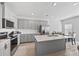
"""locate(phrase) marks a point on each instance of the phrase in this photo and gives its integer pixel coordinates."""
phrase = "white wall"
(75, 25)
(9, 15)
(55, 24)
(61, 11)
(0, 17)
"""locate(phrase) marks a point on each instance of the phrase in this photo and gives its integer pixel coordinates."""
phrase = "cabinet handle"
(5, 46)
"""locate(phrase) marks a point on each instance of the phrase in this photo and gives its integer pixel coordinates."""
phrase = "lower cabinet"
(1, 50)
(5, 47)
(26, 38)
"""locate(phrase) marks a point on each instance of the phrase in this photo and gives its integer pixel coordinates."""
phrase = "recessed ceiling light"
(75, 4)
(54, 4)
(32, 13)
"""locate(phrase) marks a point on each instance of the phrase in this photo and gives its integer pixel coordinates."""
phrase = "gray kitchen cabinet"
(30, 37)
(5, 47)
(26, 24)
(26, 38)
(1, 49)
(30, 24)
(21, 24)
(22, 38)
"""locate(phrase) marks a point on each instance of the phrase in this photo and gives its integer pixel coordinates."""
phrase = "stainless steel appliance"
(13, 38)
(3, 35)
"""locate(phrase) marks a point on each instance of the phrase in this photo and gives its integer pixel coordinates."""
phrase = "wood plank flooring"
(28, 49)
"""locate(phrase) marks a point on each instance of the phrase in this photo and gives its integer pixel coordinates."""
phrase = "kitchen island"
(45, 44)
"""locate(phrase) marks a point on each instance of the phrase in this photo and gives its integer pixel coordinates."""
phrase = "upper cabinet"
(30, 24)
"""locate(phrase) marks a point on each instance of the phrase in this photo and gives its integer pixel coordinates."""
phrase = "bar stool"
(66, 38)
(73, 38)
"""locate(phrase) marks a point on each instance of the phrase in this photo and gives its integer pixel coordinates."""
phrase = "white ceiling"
(44, 9)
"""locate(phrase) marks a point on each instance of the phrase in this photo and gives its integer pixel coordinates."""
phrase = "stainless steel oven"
(13, 45)
(3, 35)
(13, 40)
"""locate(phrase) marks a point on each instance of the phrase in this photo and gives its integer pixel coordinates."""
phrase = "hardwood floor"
(25, 49)
(71, 50)
(28, 49)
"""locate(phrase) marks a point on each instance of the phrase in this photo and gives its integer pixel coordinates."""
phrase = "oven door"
(13, 43)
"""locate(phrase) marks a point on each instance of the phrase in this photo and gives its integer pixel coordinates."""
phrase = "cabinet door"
(26, 38)
(1, 49)
(26, 24)
(30, 37)
(22, 38)
(7, 48)
(20, 24)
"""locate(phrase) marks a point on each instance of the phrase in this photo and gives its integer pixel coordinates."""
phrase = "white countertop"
(40, 38)
(27, 31)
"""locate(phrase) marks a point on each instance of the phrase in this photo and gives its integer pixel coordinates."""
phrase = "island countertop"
(41, 38)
